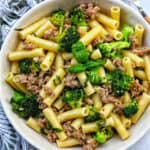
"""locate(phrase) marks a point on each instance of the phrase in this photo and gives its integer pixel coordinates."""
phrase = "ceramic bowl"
(128, 14)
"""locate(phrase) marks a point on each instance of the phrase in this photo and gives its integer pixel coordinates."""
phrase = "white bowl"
(42, 9)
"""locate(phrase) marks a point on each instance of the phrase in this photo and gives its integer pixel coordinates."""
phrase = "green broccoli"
(68, 38)
(120, 82)
(77, 68)
(93, 115)
(93, 64)
(131, 109)
(87, 66)
(93, 76)
(73, 97)
(29, 65)
(80, 52)
(58, 18)
(102, 135)
(112, 50)
(25, 105)
(77, 17)
(127, 30)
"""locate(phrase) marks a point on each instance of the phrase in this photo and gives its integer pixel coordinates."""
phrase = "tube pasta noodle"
(82, 30)
(43, 28)
(91, 35)
(102, 74)
(146, 86)
(124, 134)
(52, 118)
(110, 122)
(107, 21)
(97, 101)
(59, 103)
(116, 34)
(140, 74)
(73, 114)
(59, 62)
(32, 28)
(32, 123)
(126, 122)
(11, 80)
(143, 103)
(58, 75)
(96, 54)
(103, 33)
(139, 31)
(20, 46)
(15, 56)
(90, 48)
(115, 13)
(56, 92)
(77, 123)
(126, 98)
(45, 44)
(128, 66)
(81, 77)
(19, 86)
(89, 127)
(14, 67)
(68, 143)
(73, 62)
(109, 65)
(48, 61)
(67, 56)
(88, 88)
(147, 67)
(106, 110)
(138, 60)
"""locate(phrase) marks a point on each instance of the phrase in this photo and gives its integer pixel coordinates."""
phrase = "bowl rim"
(3, 104)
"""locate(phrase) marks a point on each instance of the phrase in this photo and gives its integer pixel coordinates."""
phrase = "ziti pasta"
(80, 76)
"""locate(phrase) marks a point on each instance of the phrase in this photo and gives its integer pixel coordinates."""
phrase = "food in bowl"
(80, 76)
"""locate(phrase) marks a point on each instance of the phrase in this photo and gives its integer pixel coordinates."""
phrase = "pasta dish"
(80, 76)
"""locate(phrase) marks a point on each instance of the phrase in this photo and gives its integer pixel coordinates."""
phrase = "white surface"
(144, 142)
(40, 10)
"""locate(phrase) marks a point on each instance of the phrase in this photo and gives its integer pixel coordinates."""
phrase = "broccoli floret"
(120, 82)
(112, 50)
(29, 65)
(24, 65)
(73, 97)
(25, 105)
(87, 66)
(104, 132)
(93, 64)
(93, 115)
(68, 38)
(80, 52)
(58, 18)
(93, 76)
(77, 17)
(127, 30)
(131, 109)
(77, 68)
(102, 135)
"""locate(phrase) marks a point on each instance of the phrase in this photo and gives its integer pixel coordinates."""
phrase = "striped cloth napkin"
(10, 12)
